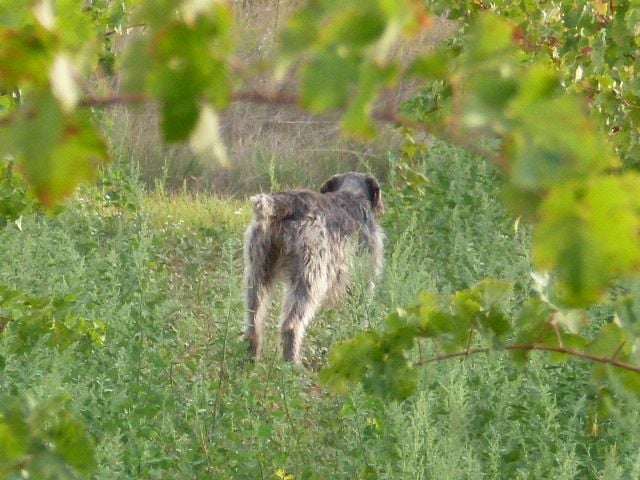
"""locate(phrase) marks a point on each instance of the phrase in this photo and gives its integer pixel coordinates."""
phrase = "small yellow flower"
(373, 422)
(282, 475)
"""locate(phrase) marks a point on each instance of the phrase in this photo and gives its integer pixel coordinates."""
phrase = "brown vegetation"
(269, 146)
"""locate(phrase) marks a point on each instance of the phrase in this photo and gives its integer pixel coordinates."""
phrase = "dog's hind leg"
(299, 307)
(260, 262)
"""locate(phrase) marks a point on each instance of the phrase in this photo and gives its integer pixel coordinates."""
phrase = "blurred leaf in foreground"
(55, 150)
(43, 440)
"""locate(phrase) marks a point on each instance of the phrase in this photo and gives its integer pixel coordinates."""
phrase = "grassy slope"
(170, 394)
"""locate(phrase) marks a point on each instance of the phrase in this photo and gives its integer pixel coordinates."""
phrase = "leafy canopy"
(557, 84)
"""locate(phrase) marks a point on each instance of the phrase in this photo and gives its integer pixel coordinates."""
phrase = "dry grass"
(269, 146)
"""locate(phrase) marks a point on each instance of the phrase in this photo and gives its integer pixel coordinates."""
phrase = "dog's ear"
(373, 192)
(331, 185)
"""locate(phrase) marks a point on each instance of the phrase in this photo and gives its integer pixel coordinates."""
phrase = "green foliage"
(591, 46)
(43, 440)
(54, 145)
(170, 393)
(30, 320)
(555, 84)
(445, 206)
(14, 197)
(182, 61)
(588, 232)
(57, 150)
(379, 359)
(557, 160)
(345, 47)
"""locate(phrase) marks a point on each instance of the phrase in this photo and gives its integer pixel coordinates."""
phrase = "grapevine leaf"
(325, 81)
(55, 150)
(611, 339)
(589, 234)
(565, 145)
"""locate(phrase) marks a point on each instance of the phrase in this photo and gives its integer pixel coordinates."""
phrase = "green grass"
(170, 393)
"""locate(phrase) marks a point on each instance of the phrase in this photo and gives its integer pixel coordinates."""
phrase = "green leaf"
(520, 357)
(490, 38)
(565, 145)
(325, 81)
(489, 95)
(71, 442)
(531, 320)
(31, 319)
(356, 120)
(433, 66)
(183, 61)
(74, 27)
(466, 305)
(611, 339)
(627, 380)
(347, 361)
(179, 113)
(589, 234)
(301, 30)
(493, 291)
(354, 26)
(33, 47)
(496, 322)
(376, 360)
(538, 82)
(570, 341)
(39, 438)
(13, 441)
(56, 151)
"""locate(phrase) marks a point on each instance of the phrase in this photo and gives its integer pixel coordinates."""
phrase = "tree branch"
(539, 347)
(250, 96)
(267, 97)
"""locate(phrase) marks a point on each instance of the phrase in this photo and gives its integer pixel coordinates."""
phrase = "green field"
(146, 351)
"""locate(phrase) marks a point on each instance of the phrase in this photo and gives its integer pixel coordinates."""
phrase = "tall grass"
(171, 394)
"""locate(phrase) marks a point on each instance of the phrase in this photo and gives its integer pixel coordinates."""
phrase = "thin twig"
(552, 322)
(469, 340)
(615, 354)
(539, 347)
(288, 99)
(420, 350)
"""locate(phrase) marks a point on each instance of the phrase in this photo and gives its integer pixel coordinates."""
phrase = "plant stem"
(539, 347)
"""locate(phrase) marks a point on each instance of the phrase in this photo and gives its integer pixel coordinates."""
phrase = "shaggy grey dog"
(308, 239)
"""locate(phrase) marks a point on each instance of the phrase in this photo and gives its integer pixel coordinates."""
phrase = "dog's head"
(357, 182)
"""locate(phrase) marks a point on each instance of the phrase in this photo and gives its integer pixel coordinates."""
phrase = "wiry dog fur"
(307, 238)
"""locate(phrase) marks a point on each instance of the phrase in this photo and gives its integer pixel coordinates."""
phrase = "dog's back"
(343, 213)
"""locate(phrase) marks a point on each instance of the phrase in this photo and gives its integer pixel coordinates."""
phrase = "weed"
(170, 393)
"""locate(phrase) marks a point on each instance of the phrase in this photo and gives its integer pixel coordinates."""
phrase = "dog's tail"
(263, 206)
(268, 207)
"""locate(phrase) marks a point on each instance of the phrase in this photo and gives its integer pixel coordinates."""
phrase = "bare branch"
(539, 347)
(390, 116)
